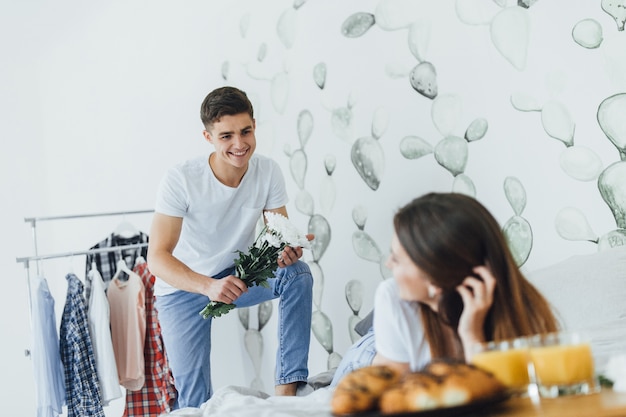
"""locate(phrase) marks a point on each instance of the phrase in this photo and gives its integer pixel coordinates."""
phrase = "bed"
(246, 402)
(586, 291)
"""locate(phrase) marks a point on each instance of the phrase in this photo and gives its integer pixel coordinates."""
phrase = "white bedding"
(246, 402)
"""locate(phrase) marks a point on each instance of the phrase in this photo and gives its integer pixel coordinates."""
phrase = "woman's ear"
(434, 297)
(433, 291)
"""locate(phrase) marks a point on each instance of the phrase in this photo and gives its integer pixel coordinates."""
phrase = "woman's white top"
(398, 327)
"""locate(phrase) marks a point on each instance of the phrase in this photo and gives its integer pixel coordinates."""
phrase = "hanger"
(123, 272)
(139, 259)
(126, 230)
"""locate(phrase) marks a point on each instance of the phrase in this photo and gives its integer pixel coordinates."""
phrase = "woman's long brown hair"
(447, 235)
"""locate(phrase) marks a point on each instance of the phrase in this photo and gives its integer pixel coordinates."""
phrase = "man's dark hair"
(224, 101)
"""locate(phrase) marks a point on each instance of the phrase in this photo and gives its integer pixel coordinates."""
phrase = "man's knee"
(302, 272)
(297, 274)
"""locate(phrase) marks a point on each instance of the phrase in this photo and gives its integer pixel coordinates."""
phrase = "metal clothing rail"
(26, 260)
(33, 221)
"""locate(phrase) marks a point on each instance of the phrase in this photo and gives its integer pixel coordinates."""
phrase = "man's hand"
(227, 289)
(291, 255)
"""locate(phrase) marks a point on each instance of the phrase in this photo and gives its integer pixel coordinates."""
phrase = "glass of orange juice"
(562, 364)
(507, 360)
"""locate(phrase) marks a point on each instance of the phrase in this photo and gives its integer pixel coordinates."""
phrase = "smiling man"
(206, 210)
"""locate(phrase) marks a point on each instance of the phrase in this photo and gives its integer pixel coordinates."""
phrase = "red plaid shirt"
(158, 393)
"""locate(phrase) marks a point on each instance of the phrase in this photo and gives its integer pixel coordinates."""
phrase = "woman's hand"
(477, 295)
(290, 255)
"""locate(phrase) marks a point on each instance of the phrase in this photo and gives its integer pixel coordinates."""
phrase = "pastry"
(416, 391)
(462, 377)
(361, 389)
(439, 384)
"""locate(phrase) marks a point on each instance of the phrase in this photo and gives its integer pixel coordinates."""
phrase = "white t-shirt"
(398, 327)
(218, 220)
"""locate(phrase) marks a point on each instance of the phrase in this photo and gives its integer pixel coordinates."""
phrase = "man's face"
(233, 139)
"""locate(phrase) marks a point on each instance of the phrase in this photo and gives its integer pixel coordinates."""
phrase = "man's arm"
(280, 210)
(164, 235)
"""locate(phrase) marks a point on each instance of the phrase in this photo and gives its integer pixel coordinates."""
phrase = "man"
(206, 210)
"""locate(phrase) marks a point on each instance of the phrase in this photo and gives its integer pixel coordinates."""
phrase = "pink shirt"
(128, 329)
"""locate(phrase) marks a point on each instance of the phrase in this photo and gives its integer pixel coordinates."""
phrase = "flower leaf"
(216, 309)
(261, 261)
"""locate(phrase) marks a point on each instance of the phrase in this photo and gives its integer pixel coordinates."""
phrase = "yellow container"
(509, 366)
(507, 360)
(562, 364)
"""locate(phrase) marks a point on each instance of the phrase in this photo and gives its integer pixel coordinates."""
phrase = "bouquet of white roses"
(261, 261)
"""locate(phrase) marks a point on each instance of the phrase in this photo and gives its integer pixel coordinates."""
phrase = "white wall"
(98, 99)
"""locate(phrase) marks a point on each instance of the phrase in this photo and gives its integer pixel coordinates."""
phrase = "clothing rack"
(26, 260)
(34, 220)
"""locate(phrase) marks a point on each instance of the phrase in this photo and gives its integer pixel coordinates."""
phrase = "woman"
(455, 284)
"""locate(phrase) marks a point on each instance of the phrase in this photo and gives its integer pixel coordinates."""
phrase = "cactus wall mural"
(365, 104)
(338, 130)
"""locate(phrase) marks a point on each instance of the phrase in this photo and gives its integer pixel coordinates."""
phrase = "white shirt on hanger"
(100, 331)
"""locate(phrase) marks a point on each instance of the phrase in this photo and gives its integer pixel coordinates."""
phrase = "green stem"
(216, 309)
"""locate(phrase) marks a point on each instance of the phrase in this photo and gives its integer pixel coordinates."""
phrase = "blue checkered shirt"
(81, 379)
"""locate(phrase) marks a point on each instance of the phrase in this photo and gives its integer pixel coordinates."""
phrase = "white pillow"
(588, 292)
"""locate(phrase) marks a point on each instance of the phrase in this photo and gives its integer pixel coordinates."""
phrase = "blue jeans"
(360, 354)
(187, 336)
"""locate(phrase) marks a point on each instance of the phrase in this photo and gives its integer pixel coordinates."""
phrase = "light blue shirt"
(48, 369)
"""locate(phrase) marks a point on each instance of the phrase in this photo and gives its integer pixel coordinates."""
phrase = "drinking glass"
(562, 364)
(507, 360)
